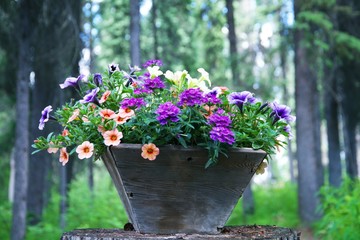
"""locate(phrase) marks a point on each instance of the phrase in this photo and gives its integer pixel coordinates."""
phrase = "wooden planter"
(175, 193)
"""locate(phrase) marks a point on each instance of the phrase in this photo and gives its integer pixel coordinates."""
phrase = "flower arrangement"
(157, 108)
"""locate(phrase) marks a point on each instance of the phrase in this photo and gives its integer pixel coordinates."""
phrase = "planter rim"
(189, 148)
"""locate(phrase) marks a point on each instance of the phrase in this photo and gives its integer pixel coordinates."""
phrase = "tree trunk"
(154, 28)
(248, 202)
(135, 32)
(307, 130)
(233, 44)
(19, 210)
(350, 87)
(332, 128)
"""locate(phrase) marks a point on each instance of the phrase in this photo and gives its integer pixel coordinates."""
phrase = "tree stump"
(238, 232)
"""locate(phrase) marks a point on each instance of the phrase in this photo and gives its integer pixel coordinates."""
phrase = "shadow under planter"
(175, 193)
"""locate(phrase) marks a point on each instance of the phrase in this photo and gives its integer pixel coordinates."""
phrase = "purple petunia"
(72, 82)
(281, 112)
(45, 115)
(240, 98)
(167, 112)
(98, 79)
(191, 97)
(153, 62)
(113, 68)
(219, 120)
(154, 83)
(212, 96)
(132, 103)
(91, 97)
(222, 134)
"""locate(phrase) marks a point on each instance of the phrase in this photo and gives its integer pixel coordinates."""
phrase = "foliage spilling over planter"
(154, 107)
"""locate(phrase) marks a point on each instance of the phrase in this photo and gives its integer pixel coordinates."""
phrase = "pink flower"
(112, 137)
(105, 96)
(52, 149)
(74, 116)
(101, 129)
(85, 150)
(85, 119)
(65, 132)
(107, 114)
(120, 119)
(126, 112)
(64, 156)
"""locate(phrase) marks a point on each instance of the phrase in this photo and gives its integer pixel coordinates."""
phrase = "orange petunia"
(105, 96)
(107, 113)
(149, 151)
(85, 150)
(112, 137)
(64, 156)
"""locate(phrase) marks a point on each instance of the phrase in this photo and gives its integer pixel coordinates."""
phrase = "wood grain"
(175, 193)
(238, 232)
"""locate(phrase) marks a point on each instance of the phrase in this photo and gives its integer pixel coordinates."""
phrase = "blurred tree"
(233, 54)
(310, 168)
(24, 36)
(350, 80)
(8, 48)
(154, 29)
(114, 32)
(135, 32)
(56, 51)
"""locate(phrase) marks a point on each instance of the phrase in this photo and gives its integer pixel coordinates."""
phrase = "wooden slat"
(175, 193)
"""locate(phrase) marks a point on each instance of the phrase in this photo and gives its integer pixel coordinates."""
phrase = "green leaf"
(182, 142)
(38, 150)
(257, 145)
(49, 136)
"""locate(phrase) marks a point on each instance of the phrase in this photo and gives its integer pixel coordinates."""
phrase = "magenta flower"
(191, 97)
(45, 115)
(153, 62)
(154, 83)
(222, 134)
(72, 82)
(91, 97)
(212, 97)
(167, 112)
(132, 103)
(219, 120)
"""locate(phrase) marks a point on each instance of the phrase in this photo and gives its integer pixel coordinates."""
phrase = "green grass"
(103, 210)
(341, 209)
(274, 205)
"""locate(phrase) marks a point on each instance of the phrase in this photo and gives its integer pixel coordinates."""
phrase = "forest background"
(304, 53)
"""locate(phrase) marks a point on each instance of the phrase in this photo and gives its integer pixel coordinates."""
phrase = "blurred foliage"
(275, 205)
(101, 208)
(341, 209)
